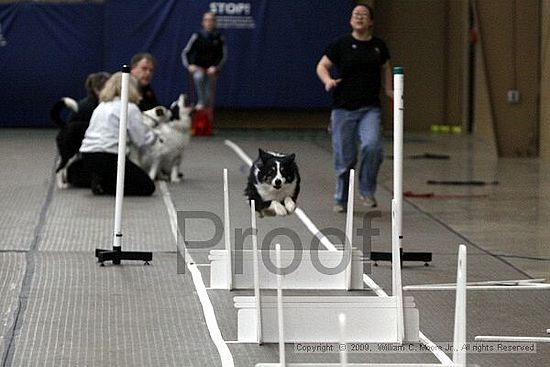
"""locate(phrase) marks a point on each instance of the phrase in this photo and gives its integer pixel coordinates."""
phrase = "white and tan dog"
(173, 129)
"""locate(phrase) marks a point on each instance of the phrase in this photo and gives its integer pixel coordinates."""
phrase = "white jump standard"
(116, 254)
(397, 203)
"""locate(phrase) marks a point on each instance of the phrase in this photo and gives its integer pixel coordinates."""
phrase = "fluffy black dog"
(70, 135)
(73, 127)
(274, 183)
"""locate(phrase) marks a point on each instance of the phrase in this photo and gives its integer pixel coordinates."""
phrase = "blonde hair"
(113, 89)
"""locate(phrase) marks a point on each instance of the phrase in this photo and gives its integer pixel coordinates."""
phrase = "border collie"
(274, 183)
(70, 136)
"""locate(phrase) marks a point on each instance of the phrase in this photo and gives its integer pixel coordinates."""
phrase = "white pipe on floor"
(495, 338)
(524, 287)
(487, 282)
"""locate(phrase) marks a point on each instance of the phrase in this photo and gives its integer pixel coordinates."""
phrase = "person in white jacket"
(100, 145)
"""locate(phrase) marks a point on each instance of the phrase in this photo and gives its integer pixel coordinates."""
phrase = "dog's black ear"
(264, 156)
(291, 157)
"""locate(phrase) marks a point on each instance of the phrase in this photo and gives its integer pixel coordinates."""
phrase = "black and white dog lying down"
(274, 183)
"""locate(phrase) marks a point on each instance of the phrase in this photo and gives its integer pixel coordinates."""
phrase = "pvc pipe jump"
(280, 317)
(256, 272)
(349, 228)
(227, 229)
(343, 351)
(116, 254)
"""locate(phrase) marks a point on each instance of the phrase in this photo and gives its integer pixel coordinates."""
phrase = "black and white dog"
(70, 135)
(274, 183)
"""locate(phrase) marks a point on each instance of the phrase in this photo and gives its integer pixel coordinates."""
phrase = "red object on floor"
(203, 122)
(410, 194)
(430, 195)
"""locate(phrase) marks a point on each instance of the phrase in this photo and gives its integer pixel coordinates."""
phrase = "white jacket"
(102, 134)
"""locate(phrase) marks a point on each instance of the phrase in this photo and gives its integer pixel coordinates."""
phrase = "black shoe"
(97, 189)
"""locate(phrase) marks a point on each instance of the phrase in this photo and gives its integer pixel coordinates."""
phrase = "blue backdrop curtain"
(47, 50)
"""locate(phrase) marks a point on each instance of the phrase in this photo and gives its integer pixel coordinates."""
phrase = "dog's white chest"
(268, 193)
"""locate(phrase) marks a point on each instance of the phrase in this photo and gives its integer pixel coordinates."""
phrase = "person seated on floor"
(100, 145)
(72, 132)
(143, 67)
(94, 84)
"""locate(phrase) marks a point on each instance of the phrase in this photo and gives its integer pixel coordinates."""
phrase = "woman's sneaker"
(339, 208)
(369, 201)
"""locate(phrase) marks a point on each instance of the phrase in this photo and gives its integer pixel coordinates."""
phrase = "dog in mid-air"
(173, 128)
(274, 183)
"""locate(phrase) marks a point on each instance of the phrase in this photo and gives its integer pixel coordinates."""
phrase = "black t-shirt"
(148, 98)
(86, 107)
(358, 64)
(207, 49)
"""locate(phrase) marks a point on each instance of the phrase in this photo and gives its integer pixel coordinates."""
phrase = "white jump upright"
(116, 254)
(343, 340)
(227, 231)
(349, 229)
(121, 161)
(280, 312)
(459, 340)
(397, 201)
(256, 271)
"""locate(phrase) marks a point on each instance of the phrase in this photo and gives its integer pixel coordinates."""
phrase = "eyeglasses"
(360, 15)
